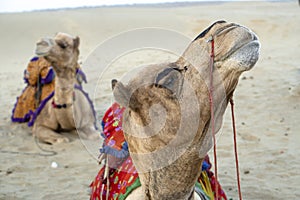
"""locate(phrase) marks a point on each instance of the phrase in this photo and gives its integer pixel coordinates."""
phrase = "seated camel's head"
(61, 51)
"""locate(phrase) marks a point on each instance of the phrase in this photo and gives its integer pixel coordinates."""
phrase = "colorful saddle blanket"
(40, 79)
(123, 178)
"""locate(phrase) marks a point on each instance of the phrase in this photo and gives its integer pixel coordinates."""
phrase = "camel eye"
(62, 45)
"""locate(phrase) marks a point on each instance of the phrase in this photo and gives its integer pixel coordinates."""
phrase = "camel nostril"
(42, 43)
(255, 37)
(45, 42)
(43, 46)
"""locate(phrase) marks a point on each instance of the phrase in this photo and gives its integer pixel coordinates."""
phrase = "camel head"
(236, 50)
(61, 51)
(167, 118)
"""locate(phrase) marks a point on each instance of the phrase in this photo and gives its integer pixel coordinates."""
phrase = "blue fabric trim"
(125, 146)
(27, 115)
(39, 109)
(103, 135)
(49, 78)
(34, 59)
(114, 152)
(25, 79)
(90, 101)
(205, 166)
(102, 124)
(21, 120)
(82, 74)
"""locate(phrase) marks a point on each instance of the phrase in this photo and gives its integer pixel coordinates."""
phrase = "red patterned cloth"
(123, 177)
(112, 127)
(121, 182)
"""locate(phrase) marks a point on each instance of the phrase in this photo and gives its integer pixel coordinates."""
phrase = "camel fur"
(69, 108)
(167, 121)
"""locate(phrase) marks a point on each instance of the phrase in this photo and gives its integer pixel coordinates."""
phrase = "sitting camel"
(69, 108)
(167, 120)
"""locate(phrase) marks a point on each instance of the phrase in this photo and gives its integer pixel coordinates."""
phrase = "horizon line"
(175, 3)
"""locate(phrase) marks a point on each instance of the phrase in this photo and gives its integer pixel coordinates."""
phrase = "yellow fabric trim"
(205, 184)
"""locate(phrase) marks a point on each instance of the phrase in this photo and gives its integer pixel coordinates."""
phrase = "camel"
(69, 109)
(167, 120)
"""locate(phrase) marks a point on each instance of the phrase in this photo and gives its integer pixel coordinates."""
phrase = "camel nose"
(45, 42)
(43, 46)
(255, 37)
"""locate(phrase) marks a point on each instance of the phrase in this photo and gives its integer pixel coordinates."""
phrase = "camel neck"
(64, 89)
(183, 181)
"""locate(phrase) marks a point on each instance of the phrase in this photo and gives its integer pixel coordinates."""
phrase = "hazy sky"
(29, 5)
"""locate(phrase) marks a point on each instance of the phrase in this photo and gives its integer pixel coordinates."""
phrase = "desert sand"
(266, 100)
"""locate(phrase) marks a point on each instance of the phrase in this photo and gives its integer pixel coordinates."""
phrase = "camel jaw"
(43, 46)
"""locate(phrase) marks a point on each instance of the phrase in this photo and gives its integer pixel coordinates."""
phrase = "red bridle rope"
(235, 149)
(211, 100)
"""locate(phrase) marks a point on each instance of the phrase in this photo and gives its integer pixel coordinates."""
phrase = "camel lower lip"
(251, 43)
(38, 53)
(243, 45)
(248, 60)
(42, 50)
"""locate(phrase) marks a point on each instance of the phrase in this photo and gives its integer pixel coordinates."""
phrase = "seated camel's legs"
(45, 134)
(45, 125)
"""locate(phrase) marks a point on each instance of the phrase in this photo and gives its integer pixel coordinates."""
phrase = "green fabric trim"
(198, 185)
(137, 184)
(130, 188)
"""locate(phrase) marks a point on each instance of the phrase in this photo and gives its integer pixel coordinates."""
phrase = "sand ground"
(267, 98)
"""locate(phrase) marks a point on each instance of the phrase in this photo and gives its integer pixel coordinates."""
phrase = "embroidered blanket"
(39, 77)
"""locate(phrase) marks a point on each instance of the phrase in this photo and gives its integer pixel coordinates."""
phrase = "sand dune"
(267, 98)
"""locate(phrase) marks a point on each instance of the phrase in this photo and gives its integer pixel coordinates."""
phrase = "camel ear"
(114, 83)
(76, 42)
(121, 94)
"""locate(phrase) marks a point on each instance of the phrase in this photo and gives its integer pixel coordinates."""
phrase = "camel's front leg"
(45, 126)
(47, 135)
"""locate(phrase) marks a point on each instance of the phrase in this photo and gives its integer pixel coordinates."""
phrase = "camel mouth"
(246, 55)
(43, 47)
(245, 52)
(237, 45)
(41, 53)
